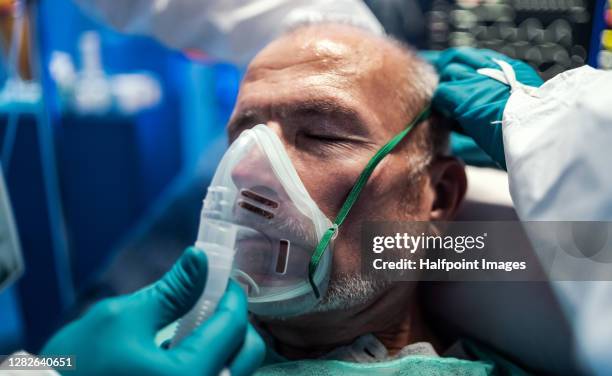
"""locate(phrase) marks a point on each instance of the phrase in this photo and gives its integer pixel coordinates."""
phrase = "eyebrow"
(352, 122)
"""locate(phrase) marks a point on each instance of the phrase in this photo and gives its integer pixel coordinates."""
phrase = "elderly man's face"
(331, 102)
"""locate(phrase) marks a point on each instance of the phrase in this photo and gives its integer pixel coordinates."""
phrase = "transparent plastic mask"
(258, 207)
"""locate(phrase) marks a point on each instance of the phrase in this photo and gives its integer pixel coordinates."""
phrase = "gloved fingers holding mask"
(117, 336)
(475, 86)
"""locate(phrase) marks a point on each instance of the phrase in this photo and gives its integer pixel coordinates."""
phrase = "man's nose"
(256, 173)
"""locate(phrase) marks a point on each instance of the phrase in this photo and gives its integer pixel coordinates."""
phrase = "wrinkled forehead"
(313, 51)
(340, 67)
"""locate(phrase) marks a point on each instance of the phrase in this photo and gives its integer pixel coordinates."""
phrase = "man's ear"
(449, 184)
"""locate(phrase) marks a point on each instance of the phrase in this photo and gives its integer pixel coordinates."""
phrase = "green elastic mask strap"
(354, 195)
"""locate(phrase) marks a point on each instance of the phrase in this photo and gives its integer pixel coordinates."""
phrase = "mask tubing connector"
(335, 227)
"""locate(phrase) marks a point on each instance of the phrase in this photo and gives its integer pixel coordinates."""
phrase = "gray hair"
(414, 89)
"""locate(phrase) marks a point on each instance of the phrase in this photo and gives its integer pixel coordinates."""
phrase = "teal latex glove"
(475, 101)
(116, 336)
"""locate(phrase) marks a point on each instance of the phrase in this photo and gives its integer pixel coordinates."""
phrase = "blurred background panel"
(552, 35)
(100, 129)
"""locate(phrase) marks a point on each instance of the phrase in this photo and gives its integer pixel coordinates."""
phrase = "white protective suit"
(557, 142)
(232, 30)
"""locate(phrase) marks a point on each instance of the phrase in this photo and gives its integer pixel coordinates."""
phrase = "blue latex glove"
(116, 336)
(477, 102)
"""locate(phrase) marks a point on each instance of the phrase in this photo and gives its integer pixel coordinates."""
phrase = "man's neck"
(394, 318)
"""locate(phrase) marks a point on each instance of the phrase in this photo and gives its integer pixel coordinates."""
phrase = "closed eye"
(330, 145)
(327, 138)
(331, 139)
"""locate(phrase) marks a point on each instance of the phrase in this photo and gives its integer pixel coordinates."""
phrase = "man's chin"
(345, 293)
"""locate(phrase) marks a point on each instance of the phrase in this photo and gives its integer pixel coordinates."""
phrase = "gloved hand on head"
(475, 98)
(116, 337)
